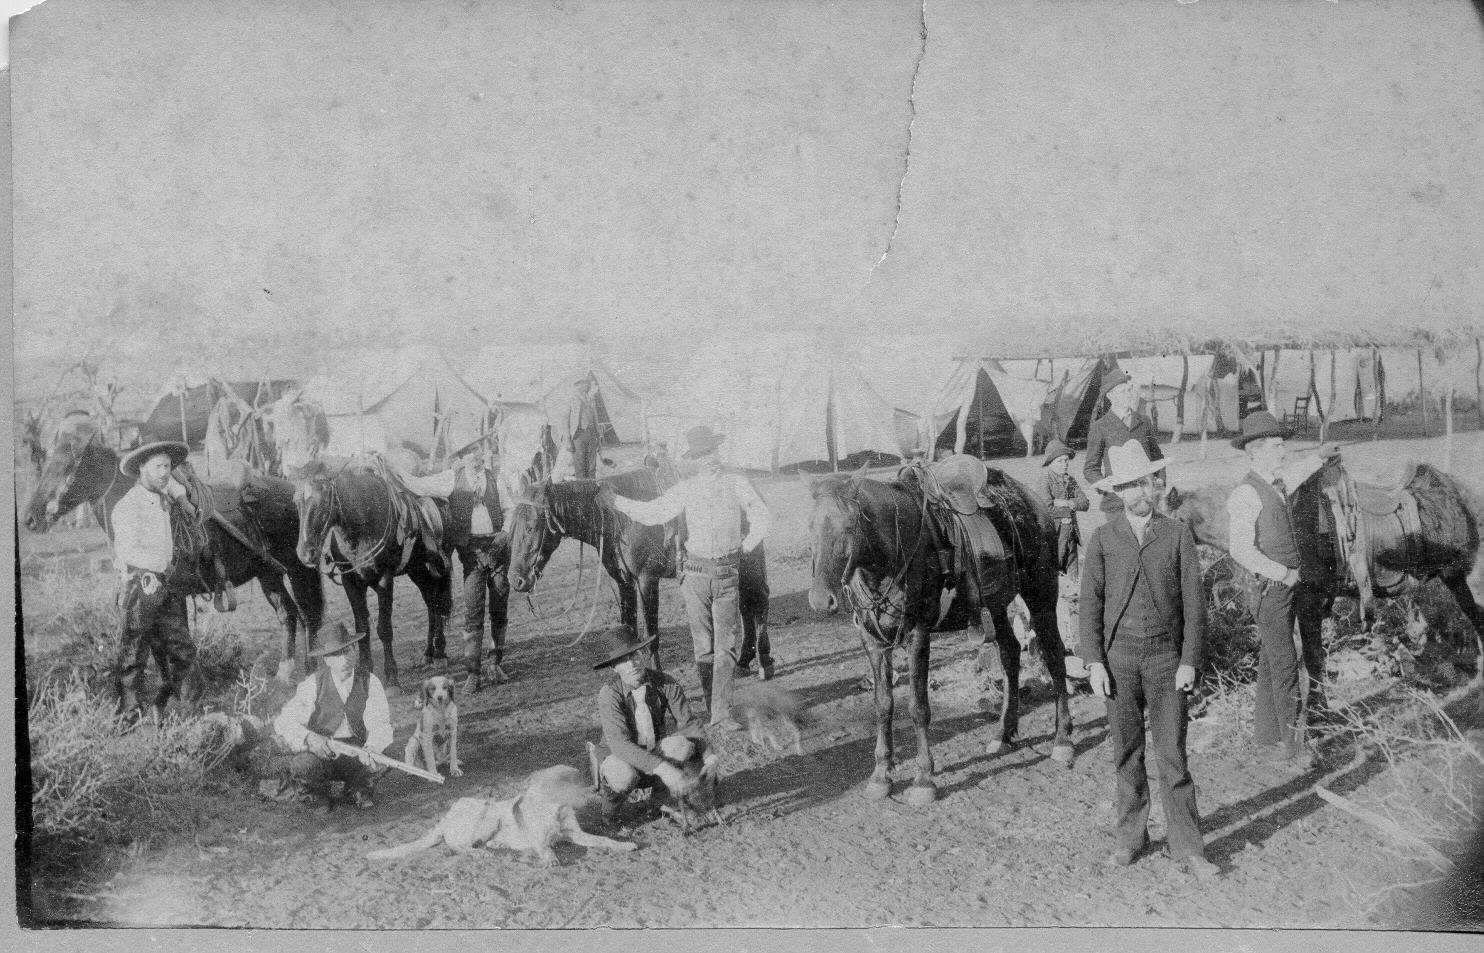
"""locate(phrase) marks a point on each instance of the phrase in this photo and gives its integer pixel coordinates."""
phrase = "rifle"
(340, 747)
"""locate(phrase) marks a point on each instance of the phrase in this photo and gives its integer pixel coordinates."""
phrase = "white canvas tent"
(543, 375)
(385, 399)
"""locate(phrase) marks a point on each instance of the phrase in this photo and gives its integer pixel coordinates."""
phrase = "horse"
(368, 531)
(880, 547)
(1443, 544)
(297, 429)
(80, 469)
(636, 556)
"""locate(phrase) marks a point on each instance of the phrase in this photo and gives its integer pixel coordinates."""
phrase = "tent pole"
(1180, 397)
(1380, 398)
(1422, 391)
(184, 437)
(1324, 421)
(1448, 429)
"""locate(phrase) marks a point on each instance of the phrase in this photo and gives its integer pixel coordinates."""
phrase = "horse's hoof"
(921, 795)
(1063, 753)
(285, 671)
(998, 746)
(877, 790)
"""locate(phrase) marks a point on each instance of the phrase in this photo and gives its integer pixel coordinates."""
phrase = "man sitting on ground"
(341, 702)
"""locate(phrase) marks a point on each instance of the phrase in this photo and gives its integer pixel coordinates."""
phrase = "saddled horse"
(880, 548)
(368, 532)
(298, 430)
(637, 557)
(1364, 541)
(81, 469)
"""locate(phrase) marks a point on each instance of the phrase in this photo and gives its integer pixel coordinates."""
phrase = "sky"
(10, 8)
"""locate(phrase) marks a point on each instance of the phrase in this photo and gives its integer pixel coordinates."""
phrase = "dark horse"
(81, 469)
(881, 548)
(363, 527)
(637, 557)
(1444, 544)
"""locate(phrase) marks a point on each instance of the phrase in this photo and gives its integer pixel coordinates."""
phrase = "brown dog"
(436, 738)
(772, 715)
(698, 794)
(530, 823)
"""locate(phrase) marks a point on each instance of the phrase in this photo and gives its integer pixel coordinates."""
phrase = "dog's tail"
(427, 841)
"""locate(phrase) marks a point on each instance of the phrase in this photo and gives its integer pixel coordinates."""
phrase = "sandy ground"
(1014, 840)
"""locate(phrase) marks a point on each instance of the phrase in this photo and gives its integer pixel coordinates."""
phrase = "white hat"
(1130, 464)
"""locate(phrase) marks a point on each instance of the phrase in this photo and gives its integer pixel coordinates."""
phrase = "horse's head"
(1203, 509)
(298, 430)
(68, 474)
(533, 536)
(316, 501)
(836, 536)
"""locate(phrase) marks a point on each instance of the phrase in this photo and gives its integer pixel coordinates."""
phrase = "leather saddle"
(1386, 499)
(1375, 519)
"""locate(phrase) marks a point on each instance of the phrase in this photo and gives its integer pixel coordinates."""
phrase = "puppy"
(697, 796)
(436, 738)
(772, 716)
(529, 823)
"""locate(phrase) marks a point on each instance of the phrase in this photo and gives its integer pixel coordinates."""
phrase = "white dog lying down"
(530, 822)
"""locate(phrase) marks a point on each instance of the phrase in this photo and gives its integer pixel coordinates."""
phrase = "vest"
(1274, 524)
(329, 710)
(461, 509)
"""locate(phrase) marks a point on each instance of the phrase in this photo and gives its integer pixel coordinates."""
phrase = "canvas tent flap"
(183, 412)
(543, 376)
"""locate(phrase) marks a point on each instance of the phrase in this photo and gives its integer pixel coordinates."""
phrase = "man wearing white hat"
(153, 603)
(1143, 618)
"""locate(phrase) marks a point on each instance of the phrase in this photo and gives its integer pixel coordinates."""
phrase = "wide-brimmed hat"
(1130, 463)
(700, 441)
(335, 639)
(1257, 425)
(1056, 449)
(478, 443)
(961, 477)
(139, 456)
(622, 642)
(1111, 380)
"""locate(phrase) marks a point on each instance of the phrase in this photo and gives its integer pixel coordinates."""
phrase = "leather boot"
(703, 671)
(497, 653)
(472, 642)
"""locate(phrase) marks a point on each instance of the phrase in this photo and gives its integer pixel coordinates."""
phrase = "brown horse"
(368, 533)
(637, 557)
(80, 469)
(880, 548)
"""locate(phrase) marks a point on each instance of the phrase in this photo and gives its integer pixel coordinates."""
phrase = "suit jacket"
(1169, 564)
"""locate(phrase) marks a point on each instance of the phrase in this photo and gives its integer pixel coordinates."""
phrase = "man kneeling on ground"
(637, 751)
(340, 702)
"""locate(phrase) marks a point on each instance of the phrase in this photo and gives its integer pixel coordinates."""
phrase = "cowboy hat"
(700, 441)
(1130, 463)
(622, 642)
(1056, 449)
(1257, 425)
(961, 477)
(139, 456)
(1111, 380)
(473, 445)
(336, 640)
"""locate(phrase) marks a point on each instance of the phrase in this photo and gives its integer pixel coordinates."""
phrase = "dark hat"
(1111, 380)
(335, 639)
(700, 441)
(1257, 425)
(622, 642)
(139, 456)
(961, 477)
(1056, 449)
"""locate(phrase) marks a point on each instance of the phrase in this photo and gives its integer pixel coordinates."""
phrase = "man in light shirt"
(477, 513)
(153, 602)
(337, 702)
(1263, 542)
(712, 503)
(580, 429)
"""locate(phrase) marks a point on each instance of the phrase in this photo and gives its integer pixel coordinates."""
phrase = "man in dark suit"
(1118, 426)
(1143, 615)
(476, 520)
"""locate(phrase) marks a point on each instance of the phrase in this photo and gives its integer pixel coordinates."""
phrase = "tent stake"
(1422, 391)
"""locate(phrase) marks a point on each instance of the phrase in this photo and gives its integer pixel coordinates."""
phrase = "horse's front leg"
(437, 593)
(923, 790)
(649, 592)
(355, 594)
(880, 784)
(288, 621)
(384, 590)
(1008, 728)
(1048, 639)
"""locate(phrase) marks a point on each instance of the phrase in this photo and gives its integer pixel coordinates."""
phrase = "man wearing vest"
(153, 603)
(341, 702)
(1118, 426)
(580, 429)
(1143, 618)
(476, 519)
(1262, 542)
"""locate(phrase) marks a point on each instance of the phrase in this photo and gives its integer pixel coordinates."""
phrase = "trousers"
(1277, 714)
(711, 606)
(154, 624)
(486, 589)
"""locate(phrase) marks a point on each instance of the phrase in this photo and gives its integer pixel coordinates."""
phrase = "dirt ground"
(1013, 840)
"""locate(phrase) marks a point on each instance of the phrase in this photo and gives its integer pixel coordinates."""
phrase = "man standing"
(1118, 426)
(150, 593)
(713, 503)
(633, 711)
(476, 520)
(1262, 541)
(580, 429)
(1066, 499)
(341, 702)
(1143, 617)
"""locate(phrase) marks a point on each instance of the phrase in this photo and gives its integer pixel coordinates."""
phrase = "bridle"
(869, 601)
(332, 523)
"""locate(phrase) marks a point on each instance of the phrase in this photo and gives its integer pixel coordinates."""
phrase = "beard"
(1142, 506)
